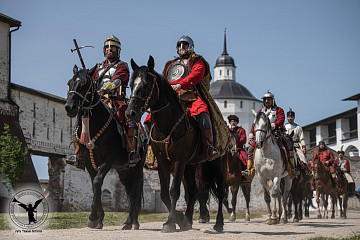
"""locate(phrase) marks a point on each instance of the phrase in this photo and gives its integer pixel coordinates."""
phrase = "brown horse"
(342, 192)
(324, 188)
(234, 180)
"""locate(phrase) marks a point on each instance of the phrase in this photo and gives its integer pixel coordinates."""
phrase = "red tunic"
(347, 164)
(121, 72)
(324, 156)
(195, 77)
(241, 141)
(280, 116)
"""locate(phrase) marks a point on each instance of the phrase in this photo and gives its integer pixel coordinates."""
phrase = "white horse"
(270, 168)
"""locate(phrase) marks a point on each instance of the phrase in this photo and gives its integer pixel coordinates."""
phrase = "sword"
(77, 49)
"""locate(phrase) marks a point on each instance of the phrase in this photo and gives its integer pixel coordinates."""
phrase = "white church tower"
(230, 96)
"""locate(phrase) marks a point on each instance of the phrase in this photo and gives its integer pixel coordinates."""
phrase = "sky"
(307, 52)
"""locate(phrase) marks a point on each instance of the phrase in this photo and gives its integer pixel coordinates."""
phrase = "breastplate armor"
(107, 76)
(272, 115)
(177, 70)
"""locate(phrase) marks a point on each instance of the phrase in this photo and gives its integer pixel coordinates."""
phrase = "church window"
(47, 133)
(54, 115)
(34, 110)
(241, 104)
(228, 72)
(220, 72)
(61, 135)
(33, 133)
(225, 104)
(254, 106)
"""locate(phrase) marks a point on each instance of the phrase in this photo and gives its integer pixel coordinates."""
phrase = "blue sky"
(306, 52)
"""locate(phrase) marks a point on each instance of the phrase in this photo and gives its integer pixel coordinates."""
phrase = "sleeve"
(331, 156)
(195, 77)
(242, 136)
(336, 162)
(315, 156)
(121, 77)
(301, 137)
(280, 117)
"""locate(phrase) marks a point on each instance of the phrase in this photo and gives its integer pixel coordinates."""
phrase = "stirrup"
(134, 158)
(246, 173)
(72, 160)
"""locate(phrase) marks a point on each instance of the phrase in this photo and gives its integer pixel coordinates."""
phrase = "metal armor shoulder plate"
(289, 126)
(177, 70)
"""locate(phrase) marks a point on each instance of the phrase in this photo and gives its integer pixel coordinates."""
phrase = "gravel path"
(255, 229)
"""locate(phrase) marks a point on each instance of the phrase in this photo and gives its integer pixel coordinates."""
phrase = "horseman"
(240, 137)
(343, 165)
(277, 119)
(326, 157)
(189, 75)
(298, 139)
(112, 77)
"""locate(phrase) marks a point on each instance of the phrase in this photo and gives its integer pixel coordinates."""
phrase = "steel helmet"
(185, 38)
(268, 94)
(112, 41)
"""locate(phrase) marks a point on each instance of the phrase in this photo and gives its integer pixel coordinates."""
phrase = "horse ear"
(267, 113)
(134, 66)
(75, 69)
(151, 63)
(253, 112)
(292, 134)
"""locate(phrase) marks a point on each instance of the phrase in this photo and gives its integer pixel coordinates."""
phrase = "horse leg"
(169, 226)
(267, 201)
(246, 192)
(325, 198)
(289, 207)
(345, 200)
(333, 204)
(318, 203)
(97, 213)
(234, 192)
(203, 196)
(285, 196)
(226, 200)
(275, 193)
(191, 190)
(132, 179)
(220, 192)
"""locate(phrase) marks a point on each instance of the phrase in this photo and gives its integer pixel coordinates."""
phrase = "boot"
(207, 140)
(294, 171)
(134, 156)
(249, 173)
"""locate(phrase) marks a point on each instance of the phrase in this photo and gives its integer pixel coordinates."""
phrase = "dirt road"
(255, 229)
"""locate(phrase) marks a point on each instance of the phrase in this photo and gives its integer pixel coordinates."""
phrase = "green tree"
(13, 158)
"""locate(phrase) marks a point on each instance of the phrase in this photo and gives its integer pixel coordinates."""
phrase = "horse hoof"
(332, 216)
(126, 227)
(202, 220)
(168, 228)
(295, 220)
(97, 224)
(283, 221)
(268, 221)
(326, 217)
(186, 227)
(136, 227)
(247, 218)
(345, 217)
(274, 221)
(232, 218)
(319, 216)
(218, 228)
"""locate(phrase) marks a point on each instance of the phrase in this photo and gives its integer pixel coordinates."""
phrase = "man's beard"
(111, 55)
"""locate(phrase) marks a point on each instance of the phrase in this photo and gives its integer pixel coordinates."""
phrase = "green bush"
(13, 158)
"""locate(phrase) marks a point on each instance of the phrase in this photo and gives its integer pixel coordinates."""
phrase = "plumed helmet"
(185, 38)
(233, 117)
(341, 150)
(112, 41)
(290, 113)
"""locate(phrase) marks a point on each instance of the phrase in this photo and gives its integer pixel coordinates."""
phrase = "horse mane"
(260, 115)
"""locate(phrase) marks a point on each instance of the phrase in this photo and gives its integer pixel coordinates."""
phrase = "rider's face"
(268, 102)
(110, 52)
(322, 146)
(291, 119)
(233, 123)
(341, 155)
(182, 47)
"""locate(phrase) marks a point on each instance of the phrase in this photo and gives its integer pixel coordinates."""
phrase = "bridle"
(84, 98)
(265, 131)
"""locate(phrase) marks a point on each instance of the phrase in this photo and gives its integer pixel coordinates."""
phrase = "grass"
(64, 220)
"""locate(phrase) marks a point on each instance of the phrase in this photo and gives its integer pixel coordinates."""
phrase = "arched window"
(228, 72)
(225, 104)
(241, 104)
(220, 72)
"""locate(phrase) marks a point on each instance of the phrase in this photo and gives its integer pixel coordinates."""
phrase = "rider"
(184, 73)
(277, 119)
(344, 165)
(240, 136)
(298, 138)
(326, 157)
(112, 77)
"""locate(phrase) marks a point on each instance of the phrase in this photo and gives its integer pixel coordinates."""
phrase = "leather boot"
(207, 140)
(134, 156)
(249, 173)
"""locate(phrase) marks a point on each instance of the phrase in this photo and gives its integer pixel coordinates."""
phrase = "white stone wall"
(4, 60)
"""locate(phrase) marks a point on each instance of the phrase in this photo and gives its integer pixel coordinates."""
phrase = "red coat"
(148, 118)
(347, 164)
(326, 155)
(240, 142)
(121, 72)
(196, 75)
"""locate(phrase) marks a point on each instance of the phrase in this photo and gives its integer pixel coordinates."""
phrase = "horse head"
(144, 90)
(262, 127)
(289, 140)
(81, 92)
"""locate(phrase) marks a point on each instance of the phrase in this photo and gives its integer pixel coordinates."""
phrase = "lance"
(77, 49)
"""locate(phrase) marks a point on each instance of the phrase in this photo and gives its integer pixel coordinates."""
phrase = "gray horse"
(270, 168)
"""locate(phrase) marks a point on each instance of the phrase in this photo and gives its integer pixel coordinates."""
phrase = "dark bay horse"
(105, 150)
(175, 140)
(342, 192)
(234, 180)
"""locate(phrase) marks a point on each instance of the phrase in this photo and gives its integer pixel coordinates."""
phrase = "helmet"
(185, 38)
(233, 117)
(269, 94)
(290, 113)
(112, 41)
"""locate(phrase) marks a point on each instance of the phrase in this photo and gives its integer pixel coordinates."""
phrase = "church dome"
(225, 60)
(230, 89)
